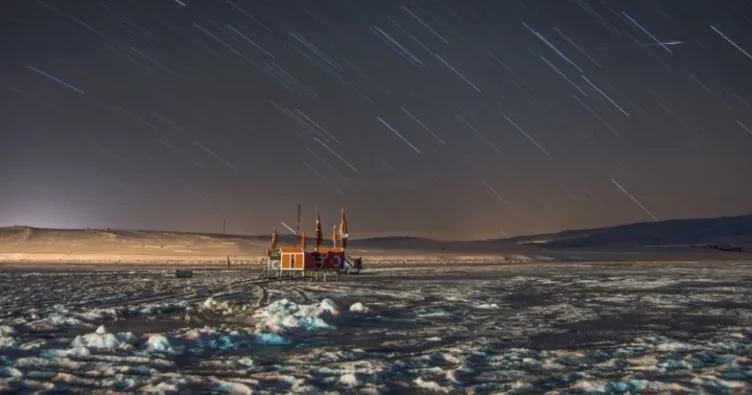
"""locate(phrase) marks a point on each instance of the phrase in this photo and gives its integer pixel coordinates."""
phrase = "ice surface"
(598, 330)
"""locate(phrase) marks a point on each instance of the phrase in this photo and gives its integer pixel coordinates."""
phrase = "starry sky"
(436, 118)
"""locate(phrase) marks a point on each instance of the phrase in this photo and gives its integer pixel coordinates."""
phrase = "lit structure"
(297, 261)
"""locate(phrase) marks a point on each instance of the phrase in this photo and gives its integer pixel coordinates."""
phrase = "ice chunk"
(211, 304)
(358, 307)
(159, 308)
(349, 380)
(428, 385)
(75, 352)
(62, 320)
(246, 361)
(11, 372)
(234, 388)
(198, 341)
(588, 386)
(431, 313)
(617, 387)
(284, 315)
(6, 340)
(133, 311)
(161, 388)
(33, 345)
(98, 314)
(227, 342)
(329, 306)
(670, 345)
(637, 385)
(159, 343)
(271, 339)
(674, 364)
(103, 340)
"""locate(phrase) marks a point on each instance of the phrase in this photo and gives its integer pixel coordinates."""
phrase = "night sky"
(446, 119)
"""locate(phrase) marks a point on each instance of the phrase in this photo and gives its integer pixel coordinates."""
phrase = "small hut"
(297, 261)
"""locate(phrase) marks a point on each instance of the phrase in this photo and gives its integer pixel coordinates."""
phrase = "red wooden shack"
(297, 261)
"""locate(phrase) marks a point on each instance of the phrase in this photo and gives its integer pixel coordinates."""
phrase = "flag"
(275, 239)
(318, 231)
(343, 232)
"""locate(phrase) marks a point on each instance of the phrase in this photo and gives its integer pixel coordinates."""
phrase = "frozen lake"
(520, 329)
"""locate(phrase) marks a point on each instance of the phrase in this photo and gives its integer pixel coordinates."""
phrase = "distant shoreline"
(142, 260)
(384, 261)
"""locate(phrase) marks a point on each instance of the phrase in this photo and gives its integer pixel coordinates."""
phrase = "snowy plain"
(579, 328)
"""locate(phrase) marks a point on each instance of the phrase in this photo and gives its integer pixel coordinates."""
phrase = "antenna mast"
(297, 228)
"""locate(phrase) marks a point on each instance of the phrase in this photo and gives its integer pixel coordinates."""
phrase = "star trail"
(444, 119)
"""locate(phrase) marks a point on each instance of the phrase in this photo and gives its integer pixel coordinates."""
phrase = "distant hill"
(22, 239)
(735, 231)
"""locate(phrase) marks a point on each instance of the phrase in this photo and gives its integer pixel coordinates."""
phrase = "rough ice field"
(517, 329)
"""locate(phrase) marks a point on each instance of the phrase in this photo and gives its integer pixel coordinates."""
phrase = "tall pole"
(297, 228)
(224, 226)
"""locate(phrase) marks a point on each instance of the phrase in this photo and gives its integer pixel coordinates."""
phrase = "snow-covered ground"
(532, 328)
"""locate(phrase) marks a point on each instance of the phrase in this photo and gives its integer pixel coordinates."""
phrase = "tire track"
(301, 295)
(263, 298)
